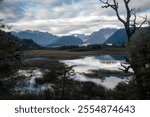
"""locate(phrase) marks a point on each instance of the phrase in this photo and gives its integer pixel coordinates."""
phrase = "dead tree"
(130, 21)
(126, 68)
(130, 25)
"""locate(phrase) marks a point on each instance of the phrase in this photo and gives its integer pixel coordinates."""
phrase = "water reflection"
(108, 82)
(104, 62)
(87, 64)
(82, 65)
(31, 85)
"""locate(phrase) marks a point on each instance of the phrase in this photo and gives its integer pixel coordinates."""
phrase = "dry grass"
(65, 54)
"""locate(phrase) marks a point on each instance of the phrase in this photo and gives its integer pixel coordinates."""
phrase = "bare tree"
(131, 25)
(130, 21)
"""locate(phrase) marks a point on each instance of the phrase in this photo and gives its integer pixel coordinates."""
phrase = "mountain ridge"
(41, 38)
(21, 44)
(99, 37)
(67, 41)
(119, 37)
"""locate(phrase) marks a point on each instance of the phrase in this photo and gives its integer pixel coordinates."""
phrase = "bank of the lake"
(97, 69)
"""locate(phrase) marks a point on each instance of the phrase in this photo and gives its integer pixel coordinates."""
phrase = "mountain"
(83, 37)
(67, 41)
(41, 38)
(27, 44)
(101, 36)
(21, 44)
(44, 38)
(119, 36)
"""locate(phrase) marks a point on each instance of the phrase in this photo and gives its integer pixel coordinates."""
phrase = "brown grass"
(65, 54)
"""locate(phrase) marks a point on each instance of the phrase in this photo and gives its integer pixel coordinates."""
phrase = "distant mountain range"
(66, 41)
(41, 38)
(107, 35)
(101, 36)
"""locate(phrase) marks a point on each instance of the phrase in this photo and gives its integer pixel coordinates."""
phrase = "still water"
(104, 62)
(83, 66)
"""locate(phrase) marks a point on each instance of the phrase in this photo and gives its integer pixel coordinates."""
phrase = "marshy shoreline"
(67, 54)
(45, 85)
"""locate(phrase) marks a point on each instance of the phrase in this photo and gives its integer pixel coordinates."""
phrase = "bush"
(139, 48)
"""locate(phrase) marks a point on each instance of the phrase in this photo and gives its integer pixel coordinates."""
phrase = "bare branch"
(129, 24)
(107, 4)
(104, 2)
(126, 68)
(132, 10)
(128, 1)
(134, 22)
(145, 19)
(113, 6)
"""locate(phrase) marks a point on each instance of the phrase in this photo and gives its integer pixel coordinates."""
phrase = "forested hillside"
(21, 44)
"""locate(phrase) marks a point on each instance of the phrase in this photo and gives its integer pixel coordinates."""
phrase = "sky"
(64, 17)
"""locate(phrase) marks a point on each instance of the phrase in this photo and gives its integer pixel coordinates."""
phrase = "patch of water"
(109, 82)
(35, 59)
(85, 65)
(31, 75)
(104, 62)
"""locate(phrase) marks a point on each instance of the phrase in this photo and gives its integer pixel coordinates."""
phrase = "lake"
(87, 64)
(82, 66)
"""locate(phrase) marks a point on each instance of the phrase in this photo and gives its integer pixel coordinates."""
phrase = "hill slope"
(67, 41)
(41, 38)
(101, 36)
(119, 36)
(20, 44)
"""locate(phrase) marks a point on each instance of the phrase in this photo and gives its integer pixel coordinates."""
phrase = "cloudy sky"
(63, 17)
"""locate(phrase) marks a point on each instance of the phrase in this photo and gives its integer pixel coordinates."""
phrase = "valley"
(102, 36)
(74, 50)
(68, 68)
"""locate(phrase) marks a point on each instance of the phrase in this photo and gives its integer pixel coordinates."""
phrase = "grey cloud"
(63, 16)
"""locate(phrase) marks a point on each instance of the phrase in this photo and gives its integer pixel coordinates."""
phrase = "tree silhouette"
(138, 61)
(130, 21)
